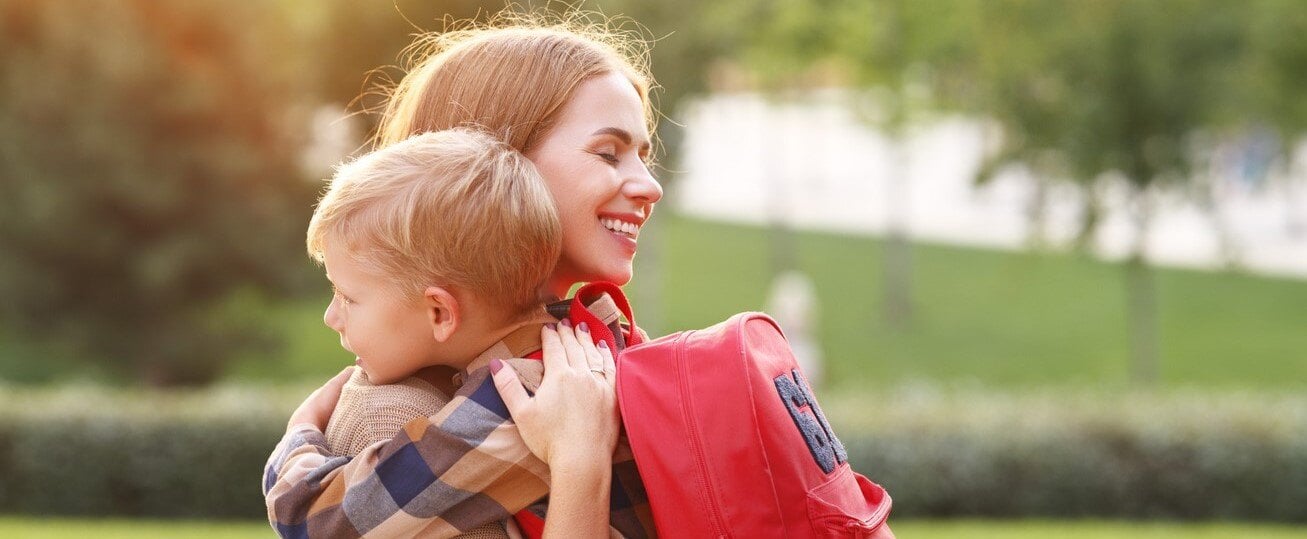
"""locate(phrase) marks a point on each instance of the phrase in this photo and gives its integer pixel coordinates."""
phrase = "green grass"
(994, 318)
(77, 528)
(972, 529)
(34, 528)
(998, 318)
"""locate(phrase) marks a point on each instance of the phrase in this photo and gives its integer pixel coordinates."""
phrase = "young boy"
(438, 249)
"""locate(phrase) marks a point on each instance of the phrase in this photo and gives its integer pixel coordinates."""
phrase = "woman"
(575, 100)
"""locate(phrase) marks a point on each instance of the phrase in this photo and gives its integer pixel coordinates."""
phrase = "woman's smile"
(624, 228)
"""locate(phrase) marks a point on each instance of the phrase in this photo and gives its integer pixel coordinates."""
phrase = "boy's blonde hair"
(510, 76)
(452, 208)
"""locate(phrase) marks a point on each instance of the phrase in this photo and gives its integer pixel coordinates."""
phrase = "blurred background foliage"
(153, 186)
(159, 160)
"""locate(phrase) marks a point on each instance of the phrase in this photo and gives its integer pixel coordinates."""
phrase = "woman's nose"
(642, 185)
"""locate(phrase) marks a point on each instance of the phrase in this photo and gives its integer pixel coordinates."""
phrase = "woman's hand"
(572, 421)
(317, 408)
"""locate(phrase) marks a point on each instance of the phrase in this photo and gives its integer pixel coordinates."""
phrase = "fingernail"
(603, 344)
(552, 327)
(495, 365)
(567, 322)
(584, 328)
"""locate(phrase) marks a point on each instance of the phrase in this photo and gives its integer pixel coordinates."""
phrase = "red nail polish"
(584, 328)
(495, 365)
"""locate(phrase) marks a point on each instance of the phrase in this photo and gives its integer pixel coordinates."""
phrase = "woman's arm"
(572, 423)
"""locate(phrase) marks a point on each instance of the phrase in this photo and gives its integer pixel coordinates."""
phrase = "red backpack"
(728, 438)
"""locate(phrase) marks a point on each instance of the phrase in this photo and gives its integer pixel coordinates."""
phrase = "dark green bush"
(1173, 456)
(90, 453)
(952, 453)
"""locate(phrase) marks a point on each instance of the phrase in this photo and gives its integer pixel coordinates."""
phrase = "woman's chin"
(617, 274)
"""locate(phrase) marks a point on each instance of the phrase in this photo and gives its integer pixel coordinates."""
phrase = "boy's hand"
(317, 408)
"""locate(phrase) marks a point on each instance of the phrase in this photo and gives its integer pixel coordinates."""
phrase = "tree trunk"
(781, 236)
(897, 308)
(1141, 302)
(1296, 169)
(1037, 213)
(1227, 248)
(1141, 295)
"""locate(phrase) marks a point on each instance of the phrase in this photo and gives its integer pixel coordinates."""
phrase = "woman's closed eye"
(608, 155)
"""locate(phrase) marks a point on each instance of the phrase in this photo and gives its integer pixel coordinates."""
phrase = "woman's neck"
(559, 288)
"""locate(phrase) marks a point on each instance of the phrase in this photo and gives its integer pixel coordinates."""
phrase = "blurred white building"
(816, 166)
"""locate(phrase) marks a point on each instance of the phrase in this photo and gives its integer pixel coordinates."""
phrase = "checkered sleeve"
(440, 476)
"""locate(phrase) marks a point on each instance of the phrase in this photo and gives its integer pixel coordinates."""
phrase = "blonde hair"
(510, 76)
(453, 208)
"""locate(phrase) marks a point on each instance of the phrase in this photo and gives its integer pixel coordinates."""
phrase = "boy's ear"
(443, 312)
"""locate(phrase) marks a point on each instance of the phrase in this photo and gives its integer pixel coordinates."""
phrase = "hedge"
(941, 453)
(89, 452)
(1178, 455)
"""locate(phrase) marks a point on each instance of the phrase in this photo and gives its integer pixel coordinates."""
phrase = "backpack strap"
(598, 304)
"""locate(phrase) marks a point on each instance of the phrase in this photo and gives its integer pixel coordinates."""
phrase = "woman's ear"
(443, 312)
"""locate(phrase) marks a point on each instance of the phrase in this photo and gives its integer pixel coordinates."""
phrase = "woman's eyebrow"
(621, 134)
(618, 132)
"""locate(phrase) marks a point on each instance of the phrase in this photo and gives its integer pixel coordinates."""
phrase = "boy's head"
(440, 232)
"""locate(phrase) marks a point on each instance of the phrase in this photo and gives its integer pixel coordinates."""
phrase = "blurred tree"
(1110, 91)
(901, 52)
(357, 48)
(895, 54)
(147, 179)
(1273, 86)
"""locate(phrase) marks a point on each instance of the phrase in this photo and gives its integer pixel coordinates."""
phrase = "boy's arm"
(310, 492)
(458, 469)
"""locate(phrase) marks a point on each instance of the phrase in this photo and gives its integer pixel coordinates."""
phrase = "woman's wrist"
(581, 461)
(580, 489)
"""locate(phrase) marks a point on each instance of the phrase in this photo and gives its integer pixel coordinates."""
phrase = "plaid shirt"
(440, 476)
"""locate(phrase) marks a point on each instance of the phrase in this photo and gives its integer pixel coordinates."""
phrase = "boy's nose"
(331, 317)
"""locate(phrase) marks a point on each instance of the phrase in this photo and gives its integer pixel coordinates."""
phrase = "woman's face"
(593, 160)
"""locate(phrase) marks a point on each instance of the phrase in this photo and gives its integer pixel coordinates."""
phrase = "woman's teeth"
(621, 227)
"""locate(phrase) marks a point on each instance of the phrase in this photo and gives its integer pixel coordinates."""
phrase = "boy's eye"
(343, 298)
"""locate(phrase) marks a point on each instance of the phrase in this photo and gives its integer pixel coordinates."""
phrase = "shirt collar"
(526, 339)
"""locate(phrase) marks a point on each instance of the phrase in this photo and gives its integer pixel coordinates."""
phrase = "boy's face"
(391, 337)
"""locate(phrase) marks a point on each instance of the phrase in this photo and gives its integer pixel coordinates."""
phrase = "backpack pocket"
(847, 505)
